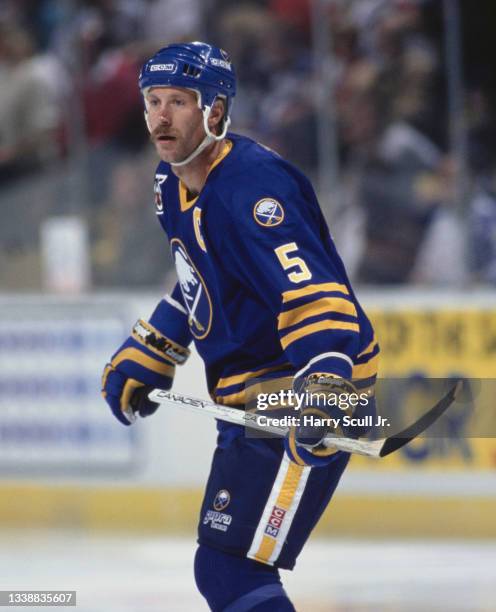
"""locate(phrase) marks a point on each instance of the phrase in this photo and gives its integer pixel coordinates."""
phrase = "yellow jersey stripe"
(366, 370)
(236, 379)
(293, 449)
(321, 306)
(249, 395)
(231, 399)
(144, 360)
(294, 294)
(369, 348)
(316, 327)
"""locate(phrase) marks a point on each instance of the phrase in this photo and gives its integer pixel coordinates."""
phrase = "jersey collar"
(186, 204)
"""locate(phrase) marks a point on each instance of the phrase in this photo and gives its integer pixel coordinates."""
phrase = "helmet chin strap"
(208, 140)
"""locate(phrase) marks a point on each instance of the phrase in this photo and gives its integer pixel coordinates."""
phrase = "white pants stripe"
(286, 469)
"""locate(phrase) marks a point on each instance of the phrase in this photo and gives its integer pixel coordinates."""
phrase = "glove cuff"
(304, 457)
(149, 336)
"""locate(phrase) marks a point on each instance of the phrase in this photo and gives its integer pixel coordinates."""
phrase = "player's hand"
(147, 358)
(330, 399)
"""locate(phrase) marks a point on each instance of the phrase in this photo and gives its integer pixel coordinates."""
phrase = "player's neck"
(194, 175)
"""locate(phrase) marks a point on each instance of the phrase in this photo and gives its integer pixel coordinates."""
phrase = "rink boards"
(63, 459)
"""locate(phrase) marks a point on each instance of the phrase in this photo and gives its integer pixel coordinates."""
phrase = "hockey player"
(263, 294)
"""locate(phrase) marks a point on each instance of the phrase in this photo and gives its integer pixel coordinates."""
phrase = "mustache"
(160, 131)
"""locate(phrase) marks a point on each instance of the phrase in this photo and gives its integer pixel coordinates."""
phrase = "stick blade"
(395, 442)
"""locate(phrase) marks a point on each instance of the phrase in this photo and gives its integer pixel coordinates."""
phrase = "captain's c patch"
(268, 212)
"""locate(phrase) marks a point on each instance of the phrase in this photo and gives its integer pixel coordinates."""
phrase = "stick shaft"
(248, 419)
(374, 448)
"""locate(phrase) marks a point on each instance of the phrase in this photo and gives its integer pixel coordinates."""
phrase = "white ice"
(154, 574)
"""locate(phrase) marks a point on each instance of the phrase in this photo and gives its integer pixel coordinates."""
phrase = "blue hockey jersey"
(261, 287)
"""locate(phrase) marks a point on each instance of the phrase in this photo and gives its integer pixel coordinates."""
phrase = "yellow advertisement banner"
(437, 343)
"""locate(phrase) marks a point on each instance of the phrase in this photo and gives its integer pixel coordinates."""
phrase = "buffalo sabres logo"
(268, 212)
(222, 500)
(194, 290)
(157, 190)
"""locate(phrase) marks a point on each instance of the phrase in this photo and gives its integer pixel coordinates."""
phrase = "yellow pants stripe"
(285, 496)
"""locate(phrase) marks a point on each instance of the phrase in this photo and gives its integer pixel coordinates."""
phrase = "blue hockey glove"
(148, 358)
(330, 402)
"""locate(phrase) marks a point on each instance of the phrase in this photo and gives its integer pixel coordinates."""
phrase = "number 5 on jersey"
(302, 273)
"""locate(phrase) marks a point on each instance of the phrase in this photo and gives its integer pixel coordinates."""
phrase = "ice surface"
(114, 573)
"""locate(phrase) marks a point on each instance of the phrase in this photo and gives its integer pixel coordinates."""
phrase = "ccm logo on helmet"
(222, 63)
(172, 67)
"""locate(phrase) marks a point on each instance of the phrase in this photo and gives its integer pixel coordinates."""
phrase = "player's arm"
(320, 328)
(147, 357)
(287, 266)
(304, 284)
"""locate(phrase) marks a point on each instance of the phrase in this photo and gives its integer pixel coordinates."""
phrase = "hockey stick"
(370, 448)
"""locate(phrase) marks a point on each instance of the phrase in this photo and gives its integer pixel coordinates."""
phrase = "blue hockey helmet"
(198, 66)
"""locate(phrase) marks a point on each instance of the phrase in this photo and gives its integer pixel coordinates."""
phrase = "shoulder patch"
(268, 212)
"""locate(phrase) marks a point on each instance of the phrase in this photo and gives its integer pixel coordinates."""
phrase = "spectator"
(167, 21)
(114, 232)
(482, 225)
(30, 119)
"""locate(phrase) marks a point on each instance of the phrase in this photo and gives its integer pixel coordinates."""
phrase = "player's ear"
(216, 115)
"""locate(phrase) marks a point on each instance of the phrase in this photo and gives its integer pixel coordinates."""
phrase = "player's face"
(175, 122)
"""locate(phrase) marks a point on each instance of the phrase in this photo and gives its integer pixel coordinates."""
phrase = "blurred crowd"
(406, 208)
